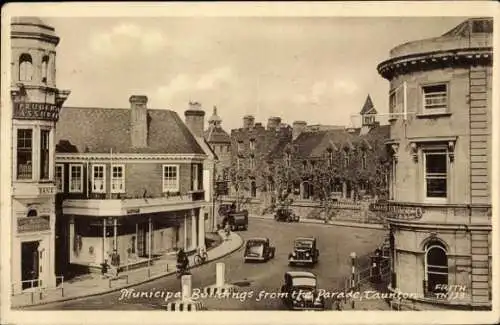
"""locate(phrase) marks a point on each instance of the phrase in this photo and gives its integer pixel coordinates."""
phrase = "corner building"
(36, 104)
(440, 187)
(130, 185)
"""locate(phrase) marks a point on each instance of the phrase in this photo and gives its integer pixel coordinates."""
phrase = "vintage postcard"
(188, 162)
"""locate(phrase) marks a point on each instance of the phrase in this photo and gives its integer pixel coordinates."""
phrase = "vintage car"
(304, 251)
(285, 214)
(300, 291)
(236, 219)
(258, 249)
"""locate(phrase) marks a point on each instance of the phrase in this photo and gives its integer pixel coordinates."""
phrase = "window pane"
(44, 154)
(437, 257)
(24, 153)
(436, 187)
(435, 163)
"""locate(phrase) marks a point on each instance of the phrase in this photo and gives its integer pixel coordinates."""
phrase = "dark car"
(304, 251)
(236, 219)
(287, 215)
(259, 249)
(300, 291)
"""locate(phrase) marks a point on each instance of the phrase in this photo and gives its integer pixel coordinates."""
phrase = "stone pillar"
(201, 229)
(194, 235)
(185, 232)
(220, 274)
(186, 284)
(71, 238)
(103, 239)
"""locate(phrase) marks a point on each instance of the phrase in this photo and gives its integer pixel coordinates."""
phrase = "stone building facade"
(130, 184)
(250, 148)
(36, 104)
(440, 188)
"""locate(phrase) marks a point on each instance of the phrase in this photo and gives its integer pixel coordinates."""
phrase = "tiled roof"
(217, 135)
(100, 130)
(368, 106)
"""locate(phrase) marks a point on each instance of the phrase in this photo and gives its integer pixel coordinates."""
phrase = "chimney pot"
(248, 121)
(273, 122)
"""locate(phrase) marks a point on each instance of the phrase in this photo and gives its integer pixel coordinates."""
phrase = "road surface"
(334, 243)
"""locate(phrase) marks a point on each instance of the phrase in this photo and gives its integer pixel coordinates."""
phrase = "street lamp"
(353, 269)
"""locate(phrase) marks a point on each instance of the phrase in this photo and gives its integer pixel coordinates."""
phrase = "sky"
(317, 69)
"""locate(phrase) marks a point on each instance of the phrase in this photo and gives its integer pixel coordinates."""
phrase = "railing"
(38, 289)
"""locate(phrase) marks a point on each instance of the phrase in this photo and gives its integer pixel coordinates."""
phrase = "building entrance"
(29, 264)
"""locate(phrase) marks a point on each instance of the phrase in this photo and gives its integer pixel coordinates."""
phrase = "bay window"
(170, 178)
(24, 154)
(98, 179)
(117, 179)
(75, 178)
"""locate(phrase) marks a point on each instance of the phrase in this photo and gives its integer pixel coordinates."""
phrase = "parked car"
(286, 214)
(305, 251)
(236, 219)
(259, 249)
(300, 291)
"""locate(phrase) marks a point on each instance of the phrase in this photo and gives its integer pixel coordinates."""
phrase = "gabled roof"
(100, 130)
(216, 134)
(368, 107)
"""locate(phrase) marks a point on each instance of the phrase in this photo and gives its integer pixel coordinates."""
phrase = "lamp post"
(353, 269)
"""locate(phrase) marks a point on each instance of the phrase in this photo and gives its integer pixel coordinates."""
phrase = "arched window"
(45, 65)
(436, 268)
(25, 67)
(32, 213)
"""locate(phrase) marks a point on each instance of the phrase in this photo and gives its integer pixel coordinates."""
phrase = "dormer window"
(368, 119)
(45, 64)
(25, 67)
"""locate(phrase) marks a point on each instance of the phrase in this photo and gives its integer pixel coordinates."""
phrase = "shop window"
(44, 154)
(98, 178)
(436, 268)
(436, 174)
(170, 178)
(75, 178)
(24, 153)
(59, 178)
(435, 98)
(117, 179)
(25, 67)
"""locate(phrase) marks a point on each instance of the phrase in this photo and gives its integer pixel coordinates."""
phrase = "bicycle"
(200, 259)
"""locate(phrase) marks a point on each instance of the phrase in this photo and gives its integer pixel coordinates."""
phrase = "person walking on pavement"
(182, 260)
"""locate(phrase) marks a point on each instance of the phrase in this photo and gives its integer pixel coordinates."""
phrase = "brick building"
(354, 159)
(440, 213)
(250, 147)
(36, 104)
(130, 182)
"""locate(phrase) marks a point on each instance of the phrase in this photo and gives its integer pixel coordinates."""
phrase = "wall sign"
(36, 111)
(33, 224)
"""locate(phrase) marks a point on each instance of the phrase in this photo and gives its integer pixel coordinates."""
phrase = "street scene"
(190, 164)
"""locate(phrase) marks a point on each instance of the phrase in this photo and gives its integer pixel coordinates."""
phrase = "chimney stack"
(139, 121)
(273, 123)
(248, 121)
(195, 119)
(298, 128)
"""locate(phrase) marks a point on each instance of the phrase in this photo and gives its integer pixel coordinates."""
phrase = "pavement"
(330, 222)
(95, 285)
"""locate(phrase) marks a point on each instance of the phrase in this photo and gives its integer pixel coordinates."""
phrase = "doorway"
(29, 264)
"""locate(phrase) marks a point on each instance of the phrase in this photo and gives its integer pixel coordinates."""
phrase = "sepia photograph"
(181, 163)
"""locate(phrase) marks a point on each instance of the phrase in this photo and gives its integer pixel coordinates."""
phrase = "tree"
(238, 175)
